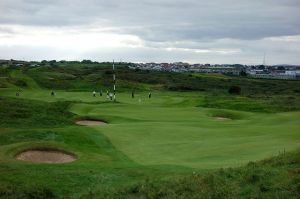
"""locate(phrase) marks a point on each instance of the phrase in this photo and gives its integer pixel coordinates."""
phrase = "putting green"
(181, 134)
(170, 130)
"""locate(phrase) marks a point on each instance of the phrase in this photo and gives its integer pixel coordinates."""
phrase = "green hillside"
(172, 145)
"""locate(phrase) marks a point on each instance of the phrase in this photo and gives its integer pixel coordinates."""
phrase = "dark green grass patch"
(28, 192)
(3, 82)
(225, 114)
(277, 177)
(11, 137)
(17, 82)
(27, 113)
(271, 104)
(70, 76)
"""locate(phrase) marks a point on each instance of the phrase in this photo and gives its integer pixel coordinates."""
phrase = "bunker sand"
(222, 118)
(90, 122)
(45, 156)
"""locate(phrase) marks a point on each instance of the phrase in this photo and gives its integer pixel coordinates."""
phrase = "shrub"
(243, 74)
(234, 90)
(20, 83)
(39, 192)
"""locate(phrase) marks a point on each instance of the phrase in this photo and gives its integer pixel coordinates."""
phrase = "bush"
(243, 74)
(109, 72)
(234, 90)
(20, 83)
(17, 82)
(39, 192)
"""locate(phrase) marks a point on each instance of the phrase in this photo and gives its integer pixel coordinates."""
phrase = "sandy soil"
(40, 156)
(90, 122)
(222, 118)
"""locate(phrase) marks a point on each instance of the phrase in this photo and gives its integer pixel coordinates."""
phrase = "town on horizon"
(279, 71)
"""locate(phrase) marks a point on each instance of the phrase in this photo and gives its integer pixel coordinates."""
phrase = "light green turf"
(181, 134)
(169, 129)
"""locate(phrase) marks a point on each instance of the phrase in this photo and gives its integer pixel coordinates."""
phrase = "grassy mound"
(28, 113)
(277, 177)
(226, 114)
(263, 103)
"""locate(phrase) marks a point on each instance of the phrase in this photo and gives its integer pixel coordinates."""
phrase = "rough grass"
(83, 77)
(227, 114)
(25, 113)
(270, 104)
(277, 177)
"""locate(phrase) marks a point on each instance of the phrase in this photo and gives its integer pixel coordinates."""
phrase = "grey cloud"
(203, 19)
(194, 24)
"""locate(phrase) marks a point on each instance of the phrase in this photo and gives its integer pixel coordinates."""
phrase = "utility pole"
(114, 80)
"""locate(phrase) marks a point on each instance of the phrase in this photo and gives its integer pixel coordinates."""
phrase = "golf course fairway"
(165, 137)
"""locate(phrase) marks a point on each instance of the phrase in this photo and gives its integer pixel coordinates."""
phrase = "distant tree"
(109, 72)
(281, 68)
(243, 73)
(238, 65)
(234, 90)
(52, 63)
(44, 62)
(261, 67)
(85, 61)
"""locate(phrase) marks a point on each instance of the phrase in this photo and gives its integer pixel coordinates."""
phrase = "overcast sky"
(195, 31)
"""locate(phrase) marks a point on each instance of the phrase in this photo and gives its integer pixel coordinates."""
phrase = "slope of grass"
(24, 113)
(149, 145)
(277, 177)
(72, 76)
(277, 103)
(193, 137)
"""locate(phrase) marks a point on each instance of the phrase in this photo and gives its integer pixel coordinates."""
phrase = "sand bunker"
(45, 156)
(90, 122)
(222, 118)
